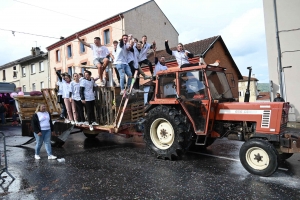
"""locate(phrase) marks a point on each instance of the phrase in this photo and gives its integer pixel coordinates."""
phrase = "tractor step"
(201, 140)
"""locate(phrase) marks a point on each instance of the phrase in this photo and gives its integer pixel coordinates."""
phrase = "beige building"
(243, 87)
(146, 19)
(29, 73)
(288, 18)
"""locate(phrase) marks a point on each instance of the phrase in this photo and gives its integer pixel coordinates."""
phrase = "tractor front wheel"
(259, 157)
(166, 132)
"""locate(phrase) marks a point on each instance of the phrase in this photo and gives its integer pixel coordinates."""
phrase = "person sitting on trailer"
(143, 54)
(101, 56)
(182, 56)
(88, 98)
(121, 62)
(160, 65)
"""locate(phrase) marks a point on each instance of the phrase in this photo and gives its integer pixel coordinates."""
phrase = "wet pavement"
(113, 167)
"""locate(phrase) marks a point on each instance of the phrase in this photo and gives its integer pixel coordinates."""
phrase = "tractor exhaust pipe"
(247, 93)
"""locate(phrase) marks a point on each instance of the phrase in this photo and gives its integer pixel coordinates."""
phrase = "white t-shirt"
(75, 89)
(99, 52)
(137, 57)
(121, 54)
(159, 67)
(130, 56)
(181, 57)
(144, 52)
(88, 89)
(60, 88)
(44, 120)
(66, 89)
(114, 53)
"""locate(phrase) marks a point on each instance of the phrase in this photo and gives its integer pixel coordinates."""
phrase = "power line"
(13, 32)
(295, 29)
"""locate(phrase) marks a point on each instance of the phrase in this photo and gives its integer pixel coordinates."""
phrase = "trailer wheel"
(90, 134)
(259, 157)
(166, 132)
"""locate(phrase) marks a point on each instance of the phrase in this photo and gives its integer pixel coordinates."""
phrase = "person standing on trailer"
(42, 126)
(113, 56)
(160, 65)
(74, 97)
(71, 108)
(121, 62)
(137, 48)
(182, 56)
(101, 56)
(88, 98)
(60, 99)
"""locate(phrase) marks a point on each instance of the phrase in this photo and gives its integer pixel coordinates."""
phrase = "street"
(114, 167)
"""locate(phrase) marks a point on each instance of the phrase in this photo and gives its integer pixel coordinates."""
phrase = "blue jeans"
(46, 138)
(2, 115)
(124, 69)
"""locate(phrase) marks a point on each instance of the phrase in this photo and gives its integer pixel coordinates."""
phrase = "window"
(41, 66)
(83, 68)
(106, 37)
(70, 71)
(23, 71)
(24, 88)
(32, 68)
(42, 84)
(14, 74)
(15, 68)
(33, 86)
(82, 47)
(241, 93)
(3, 77)
(69, 49)
(58, 55)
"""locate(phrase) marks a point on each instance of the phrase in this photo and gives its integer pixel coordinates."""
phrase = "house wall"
(219, 53)
(242, 85)
(148, 19)
(20, 80)
(288, 18)
(78, 58)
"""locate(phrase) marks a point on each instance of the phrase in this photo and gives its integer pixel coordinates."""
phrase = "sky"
(240, 23)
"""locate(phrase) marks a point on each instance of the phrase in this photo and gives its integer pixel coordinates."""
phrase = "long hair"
(38, 108)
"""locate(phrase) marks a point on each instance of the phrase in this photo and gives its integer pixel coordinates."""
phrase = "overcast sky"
(240, 23)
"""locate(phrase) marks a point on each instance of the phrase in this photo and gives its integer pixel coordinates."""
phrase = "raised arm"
(83, 42)
(168, 50)
(58, 74)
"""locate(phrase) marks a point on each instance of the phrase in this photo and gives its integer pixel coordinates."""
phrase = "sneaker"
(122, 92)
(52, 157)
(37, 157)
(95, 124)
(91, 127)
(72, 122)
(80, 123)
(67, 121)
(102, 83)
(136, 90)
(85, 123)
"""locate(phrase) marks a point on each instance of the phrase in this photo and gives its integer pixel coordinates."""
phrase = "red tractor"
(193, 106)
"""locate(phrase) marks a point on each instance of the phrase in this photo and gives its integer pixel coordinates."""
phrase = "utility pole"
(279, 51)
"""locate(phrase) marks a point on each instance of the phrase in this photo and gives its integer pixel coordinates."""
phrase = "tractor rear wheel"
(90, 134)
(166, 132)
(259, 157)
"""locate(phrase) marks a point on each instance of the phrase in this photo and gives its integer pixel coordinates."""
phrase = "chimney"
(253, 76)
(37, 51)
(32, 51)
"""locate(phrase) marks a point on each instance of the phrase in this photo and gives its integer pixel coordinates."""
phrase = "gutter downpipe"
(279, 51)
(122, 23)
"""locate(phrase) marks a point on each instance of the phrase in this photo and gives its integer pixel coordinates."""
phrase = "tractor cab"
(194, 89)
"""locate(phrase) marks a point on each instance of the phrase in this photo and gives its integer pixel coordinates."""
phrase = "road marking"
(226, 158)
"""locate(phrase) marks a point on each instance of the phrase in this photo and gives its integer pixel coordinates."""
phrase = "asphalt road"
(113, 167)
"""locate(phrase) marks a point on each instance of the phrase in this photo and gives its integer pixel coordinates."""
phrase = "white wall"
(288, 18)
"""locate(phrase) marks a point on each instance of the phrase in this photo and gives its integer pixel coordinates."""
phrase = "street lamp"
(283, 83)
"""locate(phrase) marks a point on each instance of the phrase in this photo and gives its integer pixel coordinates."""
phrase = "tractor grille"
(266, 117)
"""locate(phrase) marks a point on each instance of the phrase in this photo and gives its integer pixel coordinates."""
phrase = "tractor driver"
(191, 87)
